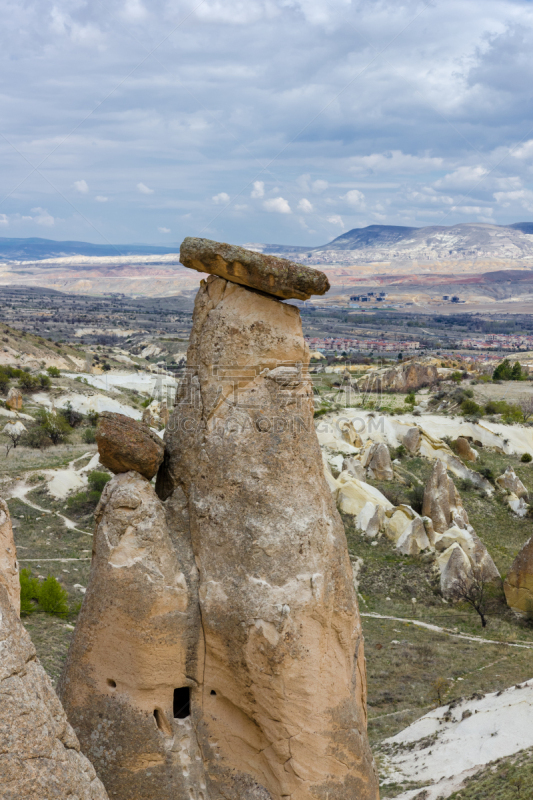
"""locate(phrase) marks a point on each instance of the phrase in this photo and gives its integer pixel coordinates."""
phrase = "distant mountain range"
(440, 241)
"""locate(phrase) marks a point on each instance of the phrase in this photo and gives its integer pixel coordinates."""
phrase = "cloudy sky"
(284, 121)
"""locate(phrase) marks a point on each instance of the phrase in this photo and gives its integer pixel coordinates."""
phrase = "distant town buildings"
(499, 341)
(333, 345)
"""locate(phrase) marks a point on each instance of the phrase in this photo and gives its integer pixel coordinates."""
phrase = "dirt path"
(437, 629)
(21, 489)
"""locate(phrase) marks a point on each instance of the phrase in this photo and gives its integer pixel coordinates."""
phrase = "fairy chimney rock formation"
(518, 585)
(40, 754)
(510, 481)
(271, 274)
(14, 399)
(125, 444)
(218, 654)
(131, 686)
(9, 568)
(442, 502)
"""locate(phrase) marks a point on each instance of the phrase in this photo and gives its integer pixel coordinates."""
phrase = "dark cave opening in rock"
(182, 703)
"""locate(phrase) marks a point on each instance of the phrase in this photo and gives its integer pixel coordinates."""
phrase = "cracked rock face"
(39, 752)
(9, 568)
(442, 502)
(131, 684)
(283, 683)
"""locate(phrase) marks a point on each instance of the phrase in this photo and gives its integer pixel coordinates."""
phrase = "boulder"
(478, 556)
(518, 585)
(14, 399)
(442, 502)
(353, 494)
(378, 463)
(132, 684)
(40, 753)
(463, 449)
(408, 377)
(125, 444)
(354, 468)
(283, 675)
(399, 518)
(456, 573)
(411, 440)
(271, 274)
(414, 538)
(517, 505)
(350, 435)
(370, 519)
(510, 481)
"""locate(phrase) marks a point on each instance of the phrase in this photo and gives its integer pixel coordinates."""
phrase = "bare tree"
(472, 589)
(14, 431)
(526, 406)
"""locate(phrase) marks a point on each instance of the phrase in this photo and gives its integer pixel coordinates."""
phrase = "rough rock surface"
(39, 751)
(271, 274)
(284, 671)
(137, 640)
(518, 585)
(464, 450)
(14, 399)
(125, 444)
(510, 480)
(408, 377)
(9, 568)
(156, 415)
(517, 505)
(354, 468)
(442, 502)
(411, 440)
(378, 462)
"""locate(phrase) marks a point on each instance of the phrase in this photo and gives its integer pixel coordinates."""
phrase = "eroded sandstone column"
(282, 695)
(131, 685)
(9, 568)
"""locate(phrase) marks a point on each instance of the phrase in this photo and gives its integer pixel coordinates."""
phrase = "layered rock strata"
(271, 274)
(39, 752)
(132, 682)
(282, 690)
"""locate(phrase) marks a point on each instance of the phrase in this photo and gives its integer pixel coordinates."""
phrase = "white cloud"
(277, 204)
(335, 219)
(355, 198)
(305, 206)
(164, 230)
(221, 198)
(143, 189)
(258, 190)
(241, 207)
(81, 186)
(133, 11)
(3, 220)
(319, 186)
(101, 199)
(43, 217)
(394, 162)
(469, 210)
(523, 198)
(462, 178)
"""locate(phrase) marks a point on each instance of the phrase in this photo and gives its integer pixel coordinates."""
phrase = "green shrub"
(457, 377)
(73, 418)
(27, 383)
(526, 458)
(52, 597)
(411, 399)
(44, 381)
(36, 437)
(4, 382)
(54, 425)
(54, 372)
(471, 409)
(146, 403)
(97, 480)
(416, 498)
(89, 435)
(29, 592)
(92, 417)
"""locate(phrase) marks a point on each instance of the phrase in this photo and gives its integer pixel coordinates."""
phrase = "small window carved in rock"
(182, 703)
(213, 692)
(111, 683)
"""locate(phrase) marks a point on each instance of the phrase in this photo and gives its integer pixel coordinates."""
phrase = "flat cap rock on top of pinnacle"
(125, 444)
(270, 274)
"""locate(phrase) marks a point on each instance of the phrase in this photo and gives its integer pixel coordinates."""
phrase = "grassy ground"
(506, 779)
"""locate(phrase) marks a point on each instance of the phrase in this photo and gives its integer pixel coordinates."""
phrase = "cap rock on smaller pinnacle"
(269, 274)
